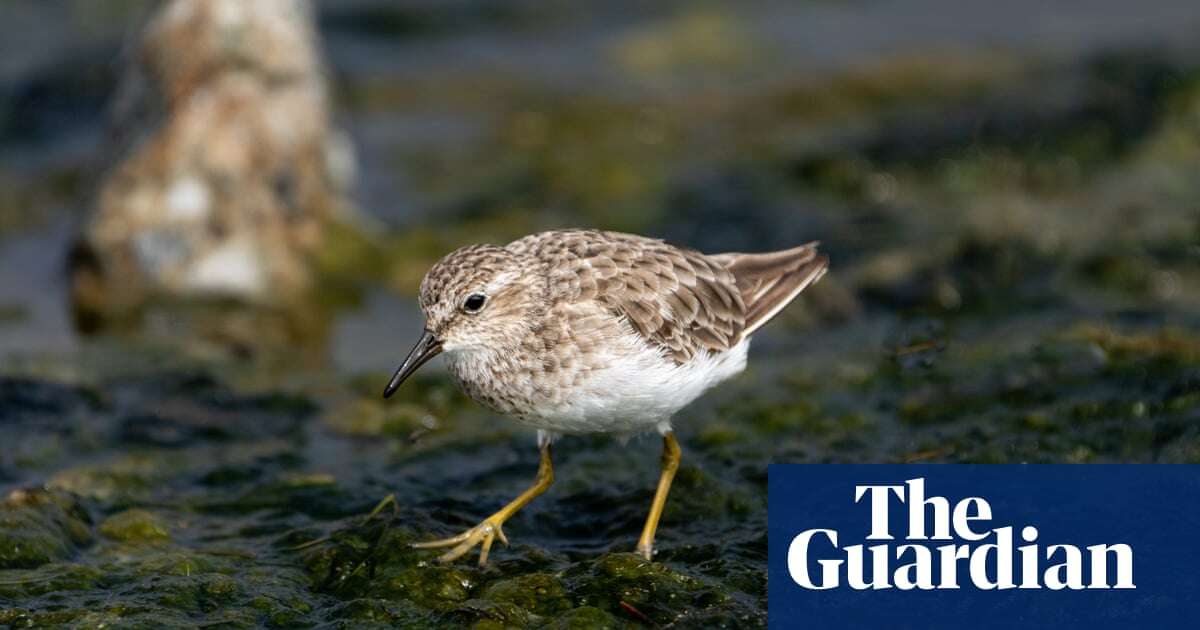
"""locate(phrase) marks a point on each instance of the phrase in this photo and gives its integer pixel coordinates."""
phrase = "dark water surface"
(1008, 194)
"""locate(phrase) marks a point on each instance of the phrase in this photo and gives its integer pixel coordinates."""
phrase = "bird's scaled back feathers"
(679, 300)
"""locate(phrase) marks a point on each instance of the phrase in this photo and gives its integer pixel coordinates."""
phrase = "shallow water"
(1016, 276)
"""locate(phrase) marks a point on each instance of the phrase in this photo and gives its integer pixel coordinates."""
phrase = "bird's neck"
(496, 378)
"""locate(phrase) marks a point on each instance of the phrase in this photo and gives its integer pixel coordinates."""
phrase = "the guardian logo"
(974, 553)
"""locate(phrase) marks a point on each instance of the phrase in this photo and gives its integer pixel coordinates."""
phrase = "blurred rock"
(225, 170)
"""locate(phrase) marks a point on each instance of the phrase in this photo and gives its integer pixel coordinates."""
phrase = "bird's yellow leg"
(492, 527)
(670, 463)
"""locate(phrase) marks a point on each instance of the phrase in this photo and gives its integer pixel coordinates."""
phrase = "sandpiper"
(583, 331)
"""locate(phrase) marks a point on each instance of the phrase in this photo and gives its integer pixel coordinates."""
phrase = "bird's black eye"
(473, 303)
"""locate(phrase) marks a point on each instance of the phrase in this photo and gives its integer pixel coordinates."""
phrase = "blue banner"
(984, 546)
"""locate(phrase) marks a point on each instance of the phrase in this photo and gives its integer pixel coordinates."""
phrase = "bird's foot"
(492, 527)
(483, 535)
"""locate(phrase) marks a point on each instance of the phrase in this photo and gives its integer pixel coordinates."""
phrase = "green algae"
(539, 593)
(586, 617)
(135, 526)
(38, 527)
(651, 592)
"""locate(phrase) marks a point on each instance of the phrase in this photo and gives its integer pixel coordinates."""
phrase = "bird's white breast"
(637, 389)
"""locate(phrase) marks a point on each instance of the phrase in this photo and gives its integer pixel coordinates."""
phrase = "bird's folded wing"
(679, 300)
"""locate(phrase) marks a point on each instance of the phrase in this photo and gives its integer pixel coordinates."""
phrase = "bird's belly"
(636, 392)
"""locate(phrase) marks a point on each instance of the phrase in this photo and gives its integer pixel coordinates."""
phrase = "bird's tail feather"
(770, 281)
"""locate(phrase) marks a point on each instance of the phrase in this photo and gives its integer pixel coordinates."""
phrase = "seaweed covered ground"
(1016, 278)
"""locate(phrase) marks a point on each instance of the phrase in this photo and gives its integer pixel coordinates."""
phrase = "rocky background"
(1010, 195)
(226, 172)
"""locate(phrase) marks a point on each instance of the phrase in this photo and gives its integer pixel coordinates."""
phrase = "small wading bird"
(580, 331)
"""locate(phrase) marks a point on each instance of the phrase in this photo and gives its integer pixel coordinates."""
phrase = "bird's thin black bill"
(427, 348)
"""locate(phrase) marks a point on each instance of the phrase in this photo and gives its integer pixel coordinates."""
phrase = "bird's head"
(477, 298)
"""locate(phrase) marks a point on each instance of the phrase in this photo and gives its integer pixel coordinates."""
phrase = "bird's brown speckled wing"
(678, 299)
